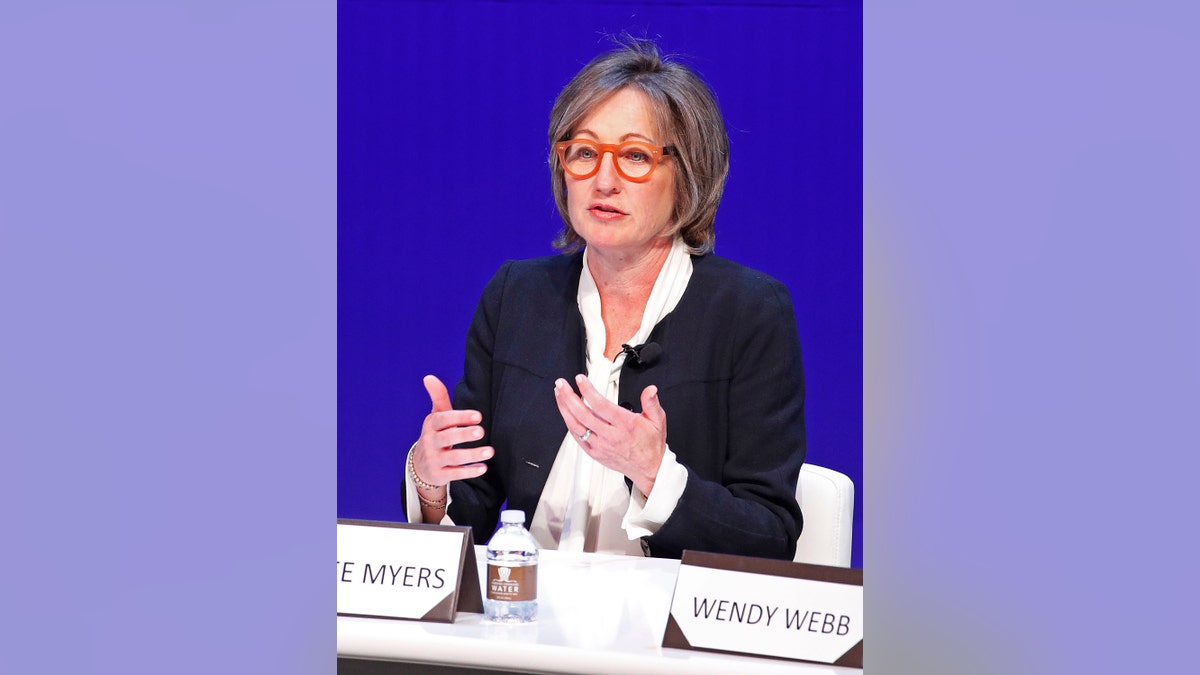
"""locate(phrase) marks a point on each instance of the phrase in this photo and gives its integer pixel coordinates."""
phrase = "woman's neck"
(625, 285)
(628, 277)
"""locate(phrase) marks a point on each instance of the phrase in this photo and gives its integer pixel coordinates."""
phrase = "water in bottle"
(512, 558)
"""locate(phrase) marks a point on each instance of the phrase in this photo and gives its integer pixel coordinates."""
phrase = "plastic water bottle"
(512, 559)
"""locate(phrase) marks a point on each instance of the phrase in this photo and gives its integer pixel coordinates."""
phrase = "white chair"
(827, 500)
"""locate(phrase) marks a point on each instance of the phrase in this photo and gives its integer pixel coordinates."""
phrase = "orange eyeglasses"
(634, 160)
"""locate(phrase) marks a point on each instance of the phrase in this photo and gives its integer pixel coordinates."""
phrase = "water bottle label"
(511, 584)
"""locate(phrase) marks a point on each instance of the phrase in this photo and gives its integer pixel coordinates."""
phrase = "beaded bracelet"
(417, 479)
(439, 504)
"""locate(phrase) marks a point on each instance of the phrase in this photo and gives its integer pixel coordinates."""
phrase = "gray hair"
(686, 111)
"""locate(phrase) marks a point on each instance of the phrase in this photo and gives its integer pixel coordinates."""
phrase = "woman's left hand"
(621, 440)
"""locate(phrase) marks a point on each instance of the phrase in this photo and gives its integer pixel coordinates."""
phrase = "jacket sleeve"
(476, 502)
(740, 496)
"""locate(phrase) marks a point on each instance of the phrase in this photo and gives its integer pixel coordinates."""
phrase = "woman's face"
(613, 214)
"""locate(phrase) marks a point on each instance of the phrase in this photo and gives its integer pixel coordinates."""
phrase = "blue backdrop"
(425, 87)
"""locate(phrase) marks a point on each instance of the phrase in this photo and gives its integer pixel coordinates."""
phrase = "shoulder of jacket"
(724, 275)
(535, 267)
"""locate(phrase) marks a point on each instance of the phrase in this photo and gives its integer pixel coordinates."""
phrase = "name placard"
(402, 571)
(787, 610)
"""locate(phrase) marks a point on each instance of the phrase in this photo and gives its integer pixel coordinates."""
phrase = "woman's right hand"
(435, 460)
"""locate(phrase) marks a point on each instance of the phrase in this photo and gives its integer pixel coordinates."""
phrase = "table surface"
(597, 613)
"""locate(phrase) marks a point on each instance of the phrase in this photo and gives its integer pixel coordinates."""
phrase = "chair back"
(827, 501)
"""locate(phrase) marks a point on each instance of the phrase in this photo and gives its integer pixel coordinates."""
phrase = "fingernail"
(580, 378)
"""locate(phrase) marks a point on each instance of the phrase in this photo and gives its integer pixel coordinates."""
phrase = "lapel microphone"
(642, 356)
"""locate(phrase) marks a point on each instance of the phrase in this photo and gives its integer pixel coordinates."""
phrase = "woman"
(637, 394)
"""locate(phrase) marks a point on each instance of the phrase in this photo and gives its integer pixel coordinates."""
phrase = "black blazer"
(729, 378)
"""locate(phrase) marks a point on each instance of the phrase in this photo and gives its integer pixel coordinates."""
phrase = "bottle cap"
(513, 516)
